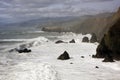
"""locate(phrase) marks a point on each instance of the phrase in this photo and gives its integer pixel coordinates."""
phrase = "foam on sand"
(31, 71)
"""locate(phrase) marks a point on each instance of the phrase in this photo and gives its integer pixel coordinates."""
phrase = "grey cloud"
(20, 9)
(96, 0)
(33, 3)
(4, 4)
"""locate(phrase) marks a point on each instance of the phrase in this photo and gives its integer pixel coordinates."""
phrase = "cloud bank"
(18, 10)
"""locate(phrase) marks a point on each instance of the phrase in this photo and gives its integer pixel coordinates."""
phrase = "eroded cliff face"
(110, 43)
(98, 24)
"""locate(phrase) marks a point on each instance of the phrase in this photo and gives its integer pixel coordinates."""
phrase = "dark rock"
(96, 67)
(72, 41)
(108, 58)
(109, 47)
(85, 39)
(25, 50)
(71, 63)
(93, 56)
(59, 41)
(82, 57)
(64, 56)
(93, 38)
(101, 50)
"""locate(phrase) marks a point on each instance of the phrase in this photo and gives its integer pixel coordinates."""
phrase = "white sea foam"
(31, 71)
(113, 66)
(32, 32)
(33, 42)
(31, 65)
(26, 43)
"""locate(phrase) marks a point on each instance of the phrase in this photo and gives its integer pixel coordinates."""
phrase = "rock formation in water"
(93, 38)
(72, 41)
(59, 41)
(85, 39)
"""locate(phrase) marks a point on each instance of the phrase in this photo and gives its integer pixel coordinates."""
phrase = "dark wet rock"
(59, 41)
(21, 50)
(72, 41)
(93, 56)
(82, 57)
(71, 63)
(108, 58)
(85, 39)
(93, 38)
(25, 50)
(101, 50)
(64, 56)
(96, 67)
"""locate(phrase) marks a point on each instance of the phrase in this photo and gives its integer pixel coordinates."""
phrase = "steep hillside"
(87, 24)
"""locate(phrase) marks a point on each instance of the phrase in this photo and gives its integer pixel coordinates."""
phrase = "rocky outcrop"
(93, 38)
(64, 56)
(72, 41)
(25, 50)
(110, 44)
(85, 39)
(21, 50)
(101, 50)
(108, 58)
(59, 41)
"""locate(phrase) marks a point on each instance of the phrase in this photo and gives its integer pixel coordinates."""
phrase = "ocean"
(42, 62)
(15, 35)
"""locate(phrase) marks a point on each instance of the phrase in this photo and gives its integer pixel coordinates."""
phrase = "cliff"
(110, 44)
(97, 24)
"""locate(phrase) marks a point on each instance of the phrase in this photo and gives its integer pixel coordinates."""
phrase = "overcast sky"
(17, 10)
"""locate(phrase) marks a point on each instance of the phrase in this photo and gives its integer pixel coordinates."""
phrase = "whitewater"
(42, 62)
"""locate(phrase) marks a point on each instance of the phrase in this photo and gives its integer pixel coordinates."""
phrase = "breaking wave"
(33, 42)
